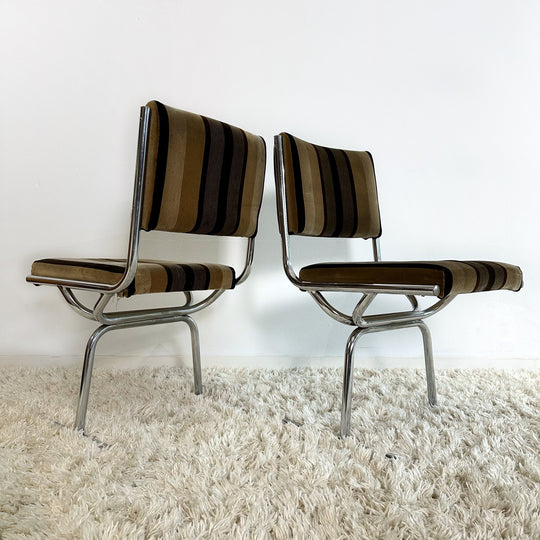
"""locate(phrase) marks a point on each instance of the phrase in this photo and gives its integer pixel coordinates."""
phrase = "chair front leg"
(348, 374)
(346, 403)
(86, 377)
(196, 355)
(428, 359)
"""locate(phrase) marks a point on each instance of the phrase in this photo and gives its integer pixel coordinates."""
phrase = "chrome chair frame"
(133, 318)
(363, 324)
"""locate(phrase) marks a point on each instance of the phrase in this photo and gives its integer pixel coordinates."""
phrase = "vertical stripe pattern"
(203, 176)
(151, 276)
(330, 192)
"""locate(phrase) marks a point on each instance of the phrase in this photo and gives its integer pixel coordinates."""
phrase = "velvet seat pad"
(151, 276)
(452, 277)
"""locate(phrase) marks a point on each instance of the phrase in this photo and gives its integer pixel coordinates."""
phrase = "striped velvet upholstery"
(453, 277)
(202, 176)
(330, 192)
(151, 276)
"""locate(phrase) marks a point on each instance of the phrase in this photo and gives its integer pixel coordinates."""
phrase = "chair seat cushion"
(151, 276)
(452, 277)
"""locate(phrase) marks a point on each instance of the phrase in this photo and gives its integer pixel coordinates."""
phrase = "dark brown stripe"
(210, 176)
(338, 196)
(503, 274)
(350, 206)
(224, 181)
(298, 190)
(491, 276)
(486, 275)
(329, 200)
(201, 277)
(482, 275)
(173, 278)
(236, 183)
(187, 277)
(161, 166)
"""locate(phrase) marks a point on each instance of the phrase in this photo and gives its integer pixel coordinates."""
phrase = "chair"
(193, 175)
(331, 193)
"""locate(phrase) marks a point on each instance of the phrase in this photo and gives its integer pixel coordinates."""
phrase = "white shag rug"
(257, 456)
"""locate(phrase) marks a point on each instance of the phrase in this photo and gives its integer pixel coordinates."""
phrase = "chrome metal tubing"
(69, 283)
(100, 305)
(248, 263)
(74, 302)
(361, 307)
(158, 313)
(383, 319)
(329, 309)
(86, 377)
(428, 358)
(96, 314)
(136, 214)
(348, 372)
(375, 242)
(82, 405)
(413, 301)
(383, 288)
(283, 220)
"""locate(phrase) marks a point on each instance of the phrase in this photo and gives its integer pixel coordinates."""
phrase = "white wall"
(444, 94)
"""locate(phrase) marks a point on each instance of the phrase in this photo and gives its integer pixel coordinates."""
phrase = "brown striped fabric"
(329, 192)
(202, 176)
(151, 276)
(452, 277)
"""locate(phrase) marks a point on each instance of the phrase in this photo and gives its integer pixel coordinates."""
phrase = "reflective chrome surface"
(376, 249)
(346, 403)
(80, 417)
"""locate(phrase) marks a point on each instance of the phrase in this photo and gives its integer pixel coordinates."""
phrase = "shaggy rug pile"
(257, 456)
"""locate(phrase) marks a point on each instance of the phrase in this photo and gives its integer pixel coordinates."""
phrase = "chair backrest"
(202, 176)
(329, 192)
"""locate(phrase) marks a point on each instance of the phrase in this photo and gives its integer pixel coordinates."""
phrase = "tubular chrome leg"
(82, 405)
(428, 357)
(196, 354)
(345, 427)
(86, 377)
(346, 402)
